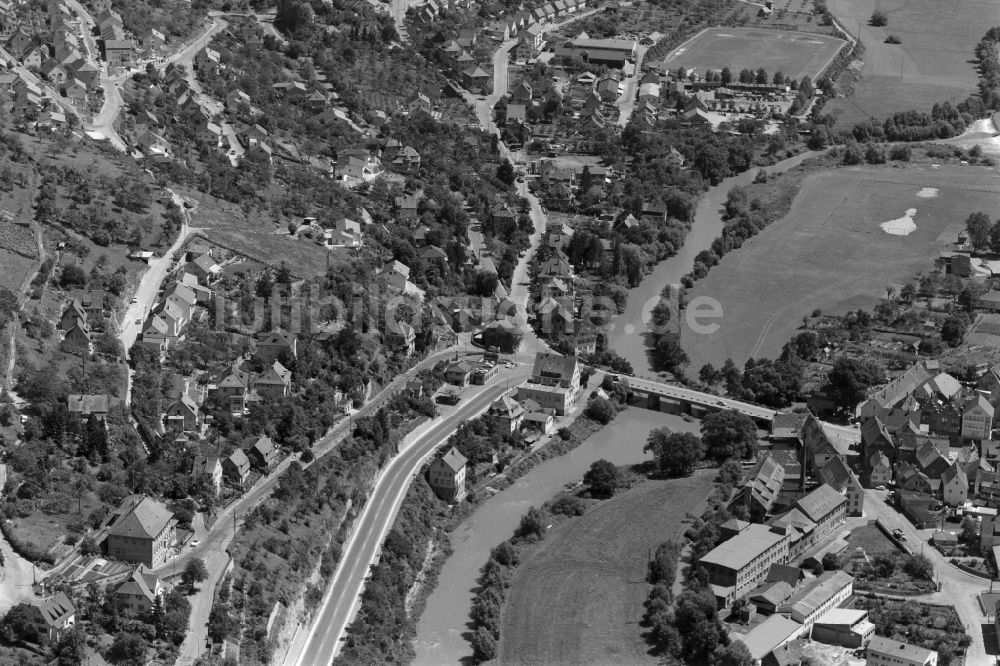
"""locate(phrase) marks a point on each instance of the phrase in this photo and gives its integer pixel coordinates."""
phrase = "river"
(439, 632)
(629, 336)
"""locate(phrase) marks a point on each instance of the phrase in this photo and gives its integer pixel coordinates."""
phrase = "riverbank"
(629, 335)
(442, 631)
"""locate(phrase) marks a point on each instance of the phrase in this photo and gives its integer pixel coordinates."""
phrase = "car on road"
(135, 299)
(879, 487)
(520, 179)
(138, 322)
(195, 543)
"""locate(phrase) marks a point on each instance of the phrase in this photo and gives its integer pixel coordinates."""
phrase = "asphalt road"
(958, 588)
(342, 598)
(215, 542)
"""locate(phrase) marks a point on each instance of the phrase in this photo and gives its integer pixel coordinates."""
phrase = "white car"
(195, 543)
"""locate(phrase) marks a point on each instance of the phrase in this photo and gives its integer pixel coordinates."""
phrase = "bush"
(569, 506)
(893, 39)
(878, 19)
(601, 410)
(602, 478)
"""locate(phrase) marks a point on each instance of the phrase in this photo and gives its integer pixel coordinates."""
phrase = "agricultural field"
(256, 235)
(934, 62)
(795, 54)
(579, 597)
(15, 269)
(832, 253)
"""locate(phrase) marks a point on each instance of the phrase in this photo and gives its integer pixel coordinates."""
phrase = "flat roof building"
(740, 564)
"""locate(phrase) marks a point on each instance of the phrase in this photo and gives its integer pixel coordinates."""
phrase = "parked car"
(879, 487)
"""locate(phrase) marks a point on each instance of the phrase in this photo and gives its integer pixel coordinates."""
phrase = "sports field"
(579, 597)
(934, 63)
(795, 54)
(831, 252)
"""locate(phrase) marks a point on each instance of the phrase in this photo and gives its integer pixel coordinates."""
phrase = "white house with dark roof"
(142, 530)
(52, 616)
(554, 382)
(140, 590)
(236, 468)
(274, 345)
(446, 476)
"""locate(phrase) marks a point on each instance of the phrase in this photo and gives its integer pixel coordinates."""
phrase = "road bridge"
(682, 400)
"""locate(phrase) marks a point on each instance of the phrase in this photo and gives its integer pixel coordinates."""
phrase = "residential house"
(83, 406)
(761, 488)
(275, 382)
(507, 412)
(275, 346)
(476, 79)
(446, 476)
(458, 373)
(118, 52)
(262, 454)
(977, 418)
(400, 337)
(204, 269)
(182, 414)
(139, 592)
(141, 530)
(406, 206)
(76, 91)
(74, 315)
(207, 464)
(52, 616)
(554, 382)
(236, 468)
(231, 391)
(955, 485)
(54, 72)
(879, 470)
(394, 276)
(153, 40)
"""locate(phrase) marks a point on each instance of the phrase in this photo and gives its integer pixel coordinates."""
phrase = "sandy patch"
(901, 226)
(927, 192)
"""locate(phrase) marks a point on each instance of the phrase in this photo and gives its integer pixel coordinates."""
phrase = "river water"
(440, 631)
(629, 336)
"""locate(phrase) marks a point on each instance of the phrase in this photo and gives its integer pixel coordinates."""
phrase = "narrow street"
(627, 102)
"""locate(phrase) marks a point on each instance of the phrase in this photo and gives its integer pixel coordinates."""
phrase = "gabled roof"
(142, 582)
(454, 460)
(774, 593)
(263, 445)
(955, 472)
(836, 473)
(820, 502)
(277, 337)
(55, 609)
(240, 460)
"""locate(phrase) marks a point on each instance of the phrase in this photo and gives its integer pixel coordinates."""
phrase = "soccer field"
(795, 54)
